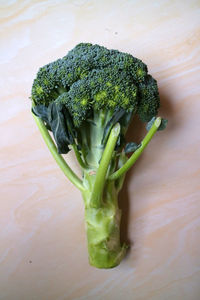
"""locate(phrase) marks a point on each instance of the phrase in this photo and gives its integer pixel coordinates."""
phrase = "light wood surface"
(43, 254)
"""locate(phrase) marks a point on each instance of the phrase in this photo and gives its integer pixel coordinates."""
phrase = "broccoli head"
(91, 77)
(87, 99)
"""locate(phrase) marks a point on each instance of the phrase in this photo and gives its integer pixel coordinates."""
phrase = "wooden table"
(43, 253)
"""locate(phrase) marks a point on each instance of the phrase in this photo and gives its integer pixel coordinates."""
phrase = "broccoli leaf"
(150, 123)
(59, 121)
(61, 126)
(41, 112)
(162, 126)
(131, 147)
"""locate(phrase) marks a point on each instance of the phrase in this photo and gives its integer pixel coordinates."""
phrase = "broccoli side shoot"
(87, 100)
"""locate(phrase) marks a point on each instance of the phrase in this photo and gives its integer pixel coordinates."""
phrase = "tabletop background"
(43, 251)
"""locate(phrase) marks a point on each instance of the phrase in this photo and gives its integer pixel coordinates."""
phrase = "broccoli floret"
(108, 77)
(100, 90)
(87, 99)
(148, 99)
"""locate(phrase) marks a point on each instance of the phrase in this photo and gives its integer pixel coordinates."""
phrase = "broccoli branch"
(138, 152)
(59, 159)
(103, 166)
(78, 157)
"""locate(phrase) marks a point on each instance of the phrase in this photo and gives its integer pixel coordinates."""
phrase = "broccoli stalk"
(88, 99)
(100, 188)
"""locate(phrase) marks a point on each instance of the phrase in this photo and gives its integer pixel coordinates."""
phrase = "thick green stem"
(102, 214)
(138, 152)
(103, 167)
(59, 159)
(103, 226)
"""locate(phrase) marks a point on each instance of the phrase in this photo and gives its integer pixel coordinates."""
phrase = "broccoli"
(87, 100)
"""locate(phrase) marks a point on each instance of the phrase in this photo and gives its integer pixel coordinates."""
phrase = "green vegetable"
(87, 99)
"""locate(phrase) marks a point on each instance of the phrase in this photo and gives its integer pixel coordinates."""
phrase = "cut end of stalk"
(157, 122)
(116, 129)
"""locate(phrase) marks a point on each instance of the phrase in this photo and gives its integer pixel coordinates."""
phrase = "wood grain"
(43, 251)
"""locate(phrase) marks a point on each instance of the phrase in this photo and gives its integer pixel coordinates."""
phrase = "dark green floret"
(149, 99)
(96, 78)
(87, 100)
